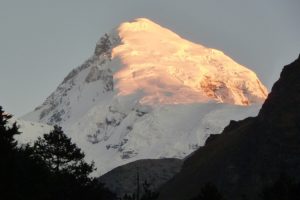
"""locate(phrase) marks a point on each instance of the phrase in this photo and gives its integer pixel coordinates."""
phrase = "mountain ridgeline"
(147, 93)
(250, 154)
(150, 98)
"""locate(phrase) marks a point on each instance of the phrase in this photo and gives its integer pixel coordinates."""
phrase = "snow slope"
(29, 131)
(148, 93)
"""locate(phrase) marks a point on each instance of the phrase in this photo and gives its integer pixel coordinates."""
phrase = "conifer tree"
(8, 149)
(209, 192)
(7, 141)
(53, 169)
(62, 156)
(148, 193)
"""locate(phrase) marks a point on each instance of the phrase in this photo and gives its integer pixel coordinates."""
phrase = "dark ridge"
(251, 153)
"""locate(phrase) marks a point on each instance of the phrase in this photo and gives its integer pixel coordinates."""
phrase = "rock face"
(251, 153)
(123, 179)
(148, 93)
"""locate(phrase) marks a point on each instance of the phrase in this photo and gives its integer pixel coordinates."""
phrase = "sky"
(41, 41)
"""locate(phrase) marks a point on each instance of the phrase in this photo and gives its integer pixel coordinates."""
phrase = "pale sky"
(41, 41)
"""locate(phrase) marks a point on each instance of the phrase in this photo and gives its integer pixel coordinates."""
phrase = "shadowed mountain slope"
(251, 153)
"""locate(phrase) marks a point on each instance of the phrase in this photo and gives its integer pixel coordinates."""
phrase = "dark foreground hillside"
(250, 154)
(123, 179)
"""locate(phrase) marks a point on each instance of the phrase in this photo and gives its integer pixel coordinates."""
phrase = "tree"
(53, 169)
(7, 140)
(20, 176)
(70, 173)
(8, 150)
(61, 155)
(209, 192)
(148, 193)
(129, 197)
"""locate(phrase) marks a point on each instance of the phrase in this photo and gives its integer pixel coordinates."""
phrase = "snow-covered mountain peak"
(171, 70)
(148, 93)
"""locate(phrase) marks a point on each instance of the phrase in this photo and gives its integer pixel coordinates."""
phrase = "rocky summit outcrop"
(251, 153)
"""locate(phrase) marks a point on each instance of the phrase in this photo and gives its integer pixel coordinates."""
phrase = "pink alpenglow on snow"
(171, 70)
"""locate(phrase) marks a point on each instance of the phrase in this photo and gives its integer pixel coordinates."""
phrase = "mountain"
(29, 130)
(147, 93)
(123, 179)
(251, 153)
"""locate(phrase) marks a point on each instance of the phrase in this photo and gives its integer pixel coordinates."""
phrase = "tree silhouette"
(129, 197)
(20, 176)
(7, 141)
(148, 193)
(209, 192)
(53, 169)
(61, 155)
(8, 150)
